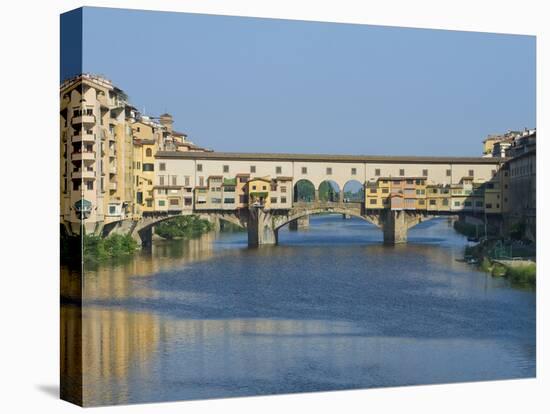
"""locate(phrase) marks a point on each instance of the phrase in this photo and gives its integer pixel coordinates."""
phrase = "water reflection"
(329, 308)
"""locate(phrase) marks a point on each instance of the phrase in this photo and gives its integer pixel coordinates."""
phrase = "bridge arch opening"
(354, 192)
(304, 191)
(329, 191)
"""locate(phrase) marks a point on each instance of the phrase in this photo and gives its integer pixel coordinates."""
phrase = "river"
(329, 308)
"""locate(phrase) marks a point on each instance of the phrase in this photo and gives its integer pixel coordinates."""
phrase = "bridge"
(262, 192)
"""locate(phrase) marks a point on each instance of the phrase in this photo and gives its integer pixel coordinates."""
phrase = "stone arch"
(304, 191)
(354, 191)
(329, 191)
(283, 221)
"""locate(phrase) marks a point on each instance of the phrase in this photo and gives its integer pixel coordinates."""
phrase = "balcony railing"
(83, 138)
(79, 175)
(83, 119)
(85, 155)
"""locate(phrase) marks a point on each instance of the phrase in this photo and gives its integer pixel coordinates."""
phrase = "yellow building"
(438, 197)
(96, 152)
(258, 192)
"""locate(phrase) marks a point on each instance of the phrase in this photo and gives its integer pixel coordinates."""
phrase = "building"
(96, 154)
(108, 149)
(495, 145)
(521, 174)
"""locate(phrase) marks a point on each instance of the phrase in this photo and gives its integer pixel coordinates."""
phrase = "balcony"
(83, 175)
(83, 119)
(83, 138)
(83, 156)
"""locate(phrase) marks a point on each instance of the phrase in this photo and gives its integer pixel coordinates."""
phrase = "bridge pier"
(260, 228)
(394, 226)
(299, 224)
(144, 237)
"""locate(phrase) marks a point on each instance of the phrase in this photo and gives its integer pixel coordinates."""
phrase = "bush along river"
(329, 308)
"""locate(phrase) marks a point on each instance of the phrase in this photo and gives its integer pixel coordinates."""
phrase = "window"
(216, 200)
(457, 203)
(385, 190)
(228, 200)
(489, 205)
(470, 173)
(174, 202)
(401, 172)
(278, 170)
(445, 202)
(377, 172)
(329, 171)
(242, 179)
(410, 181)
(253, 187)
(187, 180)
(490, 186)
(283, 189)
(373, 200)
(161, 179)
(226, 168)
(148, 152)
(304, 170)
(187, 201)
(498, 205)
(448, 173)
(148, 167)
(421, 202)
(201, 181)
(479, 203)
(174, 180)
(162, 203)
(354, 171)
(252, 168)
(162, 166)
(139, 197)
(150, 203)
(468, 203)
(432, 202)
(372, 191)
(424, 173)
(273, 200)
(264, 187)
(89, 185)
(283, 200)
(199, 167)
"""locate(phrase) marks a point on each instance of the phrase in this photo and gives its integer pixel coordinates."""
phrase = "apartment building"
(108, 154)
(96, 153)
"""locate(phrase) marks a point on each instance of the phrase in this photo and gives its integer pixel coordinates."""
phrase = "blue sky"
(267, 85)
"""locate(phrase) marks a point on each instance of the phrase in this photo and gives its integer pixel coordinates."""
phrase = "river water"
(329, 308)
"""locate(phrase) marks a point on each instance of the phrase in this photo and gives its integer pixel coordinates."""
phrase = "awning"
(83, 205)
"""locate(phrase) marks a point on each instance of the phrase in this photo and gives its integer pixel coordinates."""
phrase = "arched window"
(148, 152)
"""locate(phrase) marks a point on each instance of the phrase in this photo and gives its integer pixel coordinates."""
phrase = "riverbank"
(520, 271)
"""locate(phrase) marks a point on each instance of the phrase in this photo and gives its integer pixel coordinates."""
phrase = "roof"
(267, 180)
(401, 178)
(383, 159)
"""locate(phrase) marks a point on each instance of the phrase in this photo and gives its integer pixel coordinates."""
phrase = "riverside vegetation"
(94, 249)
(523, 275)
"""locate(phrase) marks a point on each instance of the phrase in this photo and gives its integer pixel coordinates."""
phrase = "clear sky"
(267, 85)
